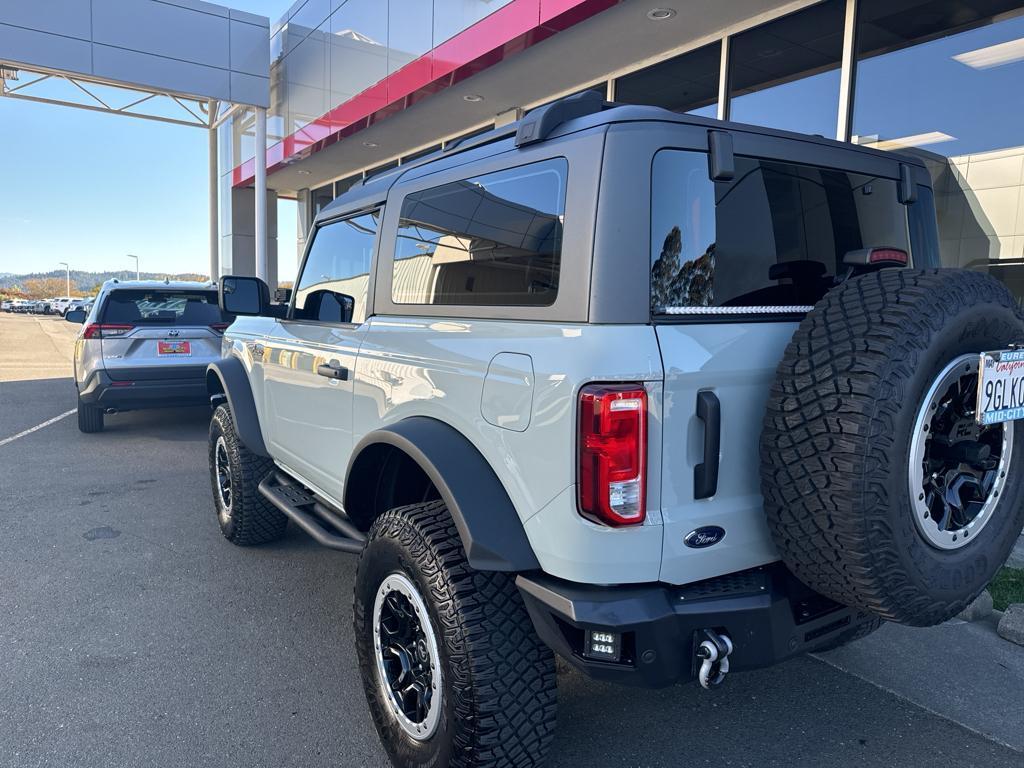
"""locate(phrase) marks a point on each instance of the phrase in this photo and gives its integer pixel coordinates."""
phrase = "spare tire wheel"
(881, 490)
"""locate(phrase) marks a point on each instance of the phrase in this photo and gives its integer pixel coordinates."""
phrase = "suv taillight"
(105, 331)
(613, 453)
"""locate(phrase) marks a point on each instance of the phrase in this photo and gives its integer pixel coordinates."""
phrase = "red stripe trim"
(506, 32)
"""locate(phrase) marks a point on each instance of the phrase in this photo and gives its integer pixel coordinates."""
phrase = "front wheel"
(453, 671)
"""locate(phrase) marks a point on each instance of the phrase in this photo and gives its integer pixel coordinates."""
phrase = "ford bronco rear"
(778, 428)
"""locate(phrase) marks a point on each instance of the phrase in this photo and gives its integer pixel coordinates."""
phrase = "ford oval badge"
(705, 536)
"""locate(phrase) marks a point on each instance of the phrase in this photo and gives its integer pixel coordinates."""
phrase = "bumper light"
(603, 646)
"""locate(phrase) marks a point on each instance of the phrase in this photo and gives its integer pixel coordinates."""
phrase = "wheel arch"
(227, 378)
(489, 526)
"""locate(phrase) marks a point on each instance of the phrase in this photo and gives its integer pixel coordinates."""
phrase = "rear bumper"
(767, 613)
(142, 388)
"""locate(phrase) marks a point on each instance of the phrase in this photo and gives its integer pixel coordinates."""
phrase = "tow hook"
(713, 653)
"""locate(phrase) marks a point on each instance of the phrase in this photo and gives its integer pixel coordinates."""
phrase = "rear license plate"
(1001, 387)
(173, 348)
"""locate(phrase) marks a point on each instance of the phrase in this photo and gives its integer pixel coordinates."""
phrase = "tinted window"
(141, 307)
(487, 241)
(336, 275)
(774, 236)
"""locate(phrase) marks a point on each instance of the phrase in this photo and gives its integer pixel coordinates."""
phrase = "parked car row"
(58, 306)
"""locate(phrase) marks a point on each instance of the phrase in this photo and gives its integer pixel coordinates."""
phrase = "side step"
(327, 526)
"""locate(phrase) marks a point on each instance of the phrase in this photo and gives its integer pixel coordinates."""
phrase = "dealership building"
(342, 89)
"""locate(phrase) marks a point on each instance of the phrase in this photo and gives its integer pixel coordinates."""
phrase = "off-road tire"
(835, 445)
(90, 418)
(498, 679)
(252, 520)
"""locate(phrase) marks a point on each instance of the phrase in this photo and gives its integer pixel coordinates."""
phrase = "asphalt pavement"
(132, 634)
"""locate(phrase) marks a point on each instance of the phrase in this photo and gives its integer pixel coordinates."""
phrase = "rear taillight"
(105, 331)
(613, 453)
(219, 327)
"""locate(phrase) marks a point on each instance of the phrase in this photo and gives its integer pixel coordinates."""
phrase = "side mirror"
(75, 316)
(243, 295)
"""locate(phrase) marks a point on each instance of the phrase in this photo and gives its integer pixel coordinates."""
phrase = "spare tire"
(881, 491)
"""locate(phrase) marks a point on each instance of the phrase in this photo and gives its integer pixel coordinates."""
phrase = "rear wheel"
(244, 516)
(453, 671)
(90, 418)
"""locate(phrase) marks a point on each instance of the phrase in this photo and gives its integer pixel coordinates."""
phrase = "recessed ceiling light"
(370, 144)
(303, 172)
(660, 14)
(473, 98)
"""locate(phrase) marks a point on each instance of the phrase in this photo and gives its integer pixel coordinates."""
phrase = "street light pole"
(130, 256)
(68, 276)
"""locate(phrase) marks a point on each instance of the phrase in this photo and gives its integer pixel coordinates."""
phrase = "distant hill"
(85, 282)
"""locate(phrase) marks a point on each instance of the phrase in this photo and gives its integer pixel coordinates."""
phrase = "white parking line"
(29, 431)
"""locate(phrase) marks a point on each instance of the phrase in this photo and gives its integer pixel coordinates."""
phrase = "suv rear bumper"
(766, 612)
(141, 388)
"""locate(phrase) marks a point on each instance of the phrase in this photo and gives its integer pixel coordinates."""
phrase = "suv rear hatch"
(149, 334)
(734, 267)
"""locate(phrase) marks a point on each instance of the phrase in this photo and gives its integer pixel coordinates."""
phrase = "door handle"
(705, 474)
(333, 370)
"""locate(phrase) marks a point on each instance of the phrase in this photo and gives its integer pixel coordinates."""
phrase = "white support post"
(260, 183)
(723, 80)
(847, 73)
(214, 228)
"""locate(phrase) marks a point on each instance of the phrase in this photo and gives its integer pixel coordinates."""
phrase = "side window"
(336, 276)
(493, 240)
(774, 236)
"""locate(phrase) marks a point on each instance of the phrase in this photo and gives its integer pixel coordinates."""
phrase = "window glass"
(785, 74)
(156, 307)
(487, 241)
(686, 83)
(336, 276)
(941, 80)
(774, 236)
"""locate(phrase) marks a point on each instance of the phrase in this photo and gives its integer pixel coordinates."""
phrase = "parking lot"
(132, 634)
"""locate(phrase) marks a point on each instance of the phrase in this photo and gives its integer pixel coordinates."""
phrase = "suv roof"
(574, 113)
(180, 285)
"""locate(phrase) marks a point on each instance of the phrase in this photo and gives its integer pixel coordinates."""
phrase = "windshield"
(163, 307)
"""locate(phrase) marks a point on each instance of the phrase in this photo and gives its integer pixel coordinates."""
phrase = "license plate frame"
(174, 348)
(1000, 387)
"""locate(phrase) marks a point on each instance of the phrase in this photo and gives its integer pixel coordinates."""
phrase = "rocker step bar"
(326, 525)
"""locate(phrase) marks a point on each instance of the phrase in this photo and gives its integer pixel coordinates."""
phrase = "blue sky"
(88, 188)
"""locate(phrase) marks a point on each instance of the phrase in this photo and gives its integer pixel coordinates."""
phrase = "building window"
(336, 275)
(493, 240)
(941, 80)
(320, 197)
(774, 236)
(785, 74)
(686, 83)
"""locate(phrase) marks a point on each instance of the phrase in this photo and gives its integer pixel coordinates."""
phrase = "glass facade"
(941, 80)
(686, 83)
(785, 74)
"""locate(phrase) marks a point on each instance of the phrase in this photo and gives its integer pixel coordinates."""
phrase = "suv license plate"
(1001, 387)
(173, 348)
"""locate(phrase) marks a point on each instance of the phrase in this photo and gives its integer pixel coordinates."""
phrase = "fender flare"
(229, 376)
(489, 526)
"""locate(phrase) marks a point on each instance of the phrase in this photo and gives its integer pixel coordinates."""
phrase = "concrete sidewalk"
(959, 670)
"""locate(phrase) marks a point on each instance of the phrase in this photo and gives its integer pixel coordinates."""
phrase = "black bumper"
(768, 614)
(140, 388)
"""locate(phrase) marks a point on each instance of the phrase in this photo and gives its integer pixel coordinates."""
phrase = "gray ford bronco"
(663, 396)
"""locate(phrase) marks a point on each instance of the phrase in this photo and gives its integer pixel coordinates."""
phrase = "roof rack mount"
(542, 122)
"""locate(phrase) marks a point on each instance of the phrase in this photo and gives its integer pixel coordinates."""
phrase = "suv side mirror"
(75, 316)
(243, 295)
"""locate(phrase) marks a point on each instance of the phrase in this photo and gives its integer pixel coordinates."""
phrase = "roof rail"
(541, 122)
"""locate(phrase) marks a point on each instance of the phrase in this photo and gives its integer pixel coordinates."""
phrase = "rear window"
(141, 307)
(492, 240)
(772, 239)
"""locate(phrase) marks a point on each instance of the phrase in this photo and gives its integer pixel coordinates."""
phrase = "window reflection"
(785, 74)
(686, 83)
(941, 80)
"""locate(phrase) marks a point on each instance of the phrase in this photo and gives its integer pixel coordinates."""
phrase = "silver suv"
(661, 395)
(145, 344)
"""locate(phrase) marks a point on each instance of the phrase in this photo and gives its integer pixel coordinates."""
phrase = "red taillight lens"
(613, 453)
(105, 331)
(219, 327)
